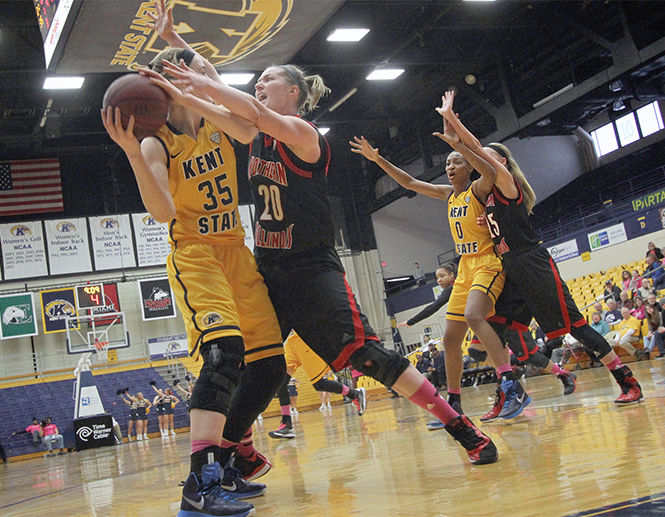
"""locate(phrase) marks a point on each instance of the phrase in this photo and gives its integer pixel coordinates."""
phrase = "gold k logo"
(224, 36)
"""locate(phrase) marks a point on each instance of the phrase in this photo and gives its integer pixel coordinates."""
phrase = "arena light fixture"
(323, 130)
(63, 83)
(236, 79)
(385, 74)
(348, 34)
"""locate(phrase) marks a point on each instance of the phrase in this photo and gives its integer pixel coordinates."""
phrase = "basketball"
(135, 95)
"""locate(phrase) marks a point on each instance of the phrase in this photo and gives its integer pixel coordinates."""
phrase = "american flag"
(30, 186)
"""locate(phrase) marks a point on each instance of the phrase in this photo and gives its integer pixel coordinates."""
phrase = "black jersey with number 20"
(293, 211)
(509, 225)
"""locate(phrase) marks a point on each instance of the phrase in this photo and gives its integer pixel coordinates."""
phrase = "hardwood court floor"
(565, 455)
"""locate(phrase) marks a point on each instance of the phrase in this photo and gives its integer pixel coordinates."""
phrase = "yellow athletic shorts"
(220, 293)
(475, 272)
(297, 353)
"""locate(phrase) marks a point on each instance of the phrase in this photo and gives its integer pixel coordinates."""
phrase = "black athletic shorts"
(293, 391)
(534, 277)
(311, 296)
(159, 409)
(167, 409)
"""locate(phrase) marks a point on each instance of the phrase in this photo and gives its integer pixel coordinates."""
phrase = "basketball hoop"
(101, 351)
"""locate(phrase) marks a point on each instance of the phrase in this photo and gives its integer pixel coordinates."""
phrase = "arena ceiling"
(518, 53)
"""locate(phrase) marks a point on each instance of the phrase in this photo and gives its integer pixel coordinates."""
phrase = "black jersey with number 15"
(293, 212)
(509, 224)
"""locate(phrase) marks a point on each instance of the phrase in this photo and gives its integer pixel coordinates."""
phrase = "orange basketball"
(135, 95)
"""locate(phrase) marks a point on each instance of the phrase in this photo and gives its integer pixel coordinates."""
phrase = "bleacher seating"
(21, 403)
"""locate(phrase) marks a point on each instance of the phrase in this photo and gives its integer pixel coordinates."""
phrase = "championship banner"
(112, 242)
(156, 299)
(223, 31)
(111, 304)
(607, 237)
(172, 345)
(152, 240)
(68, 246)
(57, 304)
(18, 316)
(246, 213)
(23, 252)
(564, 250)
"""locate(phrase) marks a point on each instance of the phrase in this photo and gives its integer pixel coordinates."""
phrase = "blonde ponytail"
(311, 87)
(527, 192)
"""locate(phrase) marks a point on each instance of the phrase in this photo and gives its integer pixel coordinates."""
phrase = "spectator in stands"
(50, 435)
(418, 274)
(625, 301)
(635, 282)
(654, 269)
(612, 291)
(599, 324)
(625, 280)
(626, 333)
(438, 368)
(638, 308)
(33, 430)
(656, 335)
(652, 250)
(561, 355)
(646, 288)
(612, 316)
(598, 307)
(538, 334)
(422, 365)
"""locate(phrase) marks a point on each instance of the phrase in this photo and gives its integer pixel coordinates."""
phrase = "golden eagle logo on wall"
(222, 34)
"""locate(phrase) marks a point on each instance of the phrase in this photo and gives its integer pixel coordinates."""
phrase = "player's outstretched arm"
(363, 147)
(148, 161)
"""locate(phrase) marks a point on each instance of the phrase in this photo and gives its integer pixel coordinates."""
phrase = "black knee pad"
(327, 385)
(538, 359)
(591, 340)
(220, 374)
(385, 365)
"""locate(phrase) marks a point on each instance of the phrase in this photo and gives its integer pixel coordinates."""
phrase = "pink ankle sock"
(557, 370)
(503, 369)
(199, 445)
(246, 445)
(458, 391)
(427, 398)
(345, 389)
(614, 364)
(285, 410)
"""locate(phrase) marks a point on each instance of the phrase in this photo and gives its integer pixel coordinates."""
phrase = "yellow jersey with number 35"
(204, 185)
(470, 238)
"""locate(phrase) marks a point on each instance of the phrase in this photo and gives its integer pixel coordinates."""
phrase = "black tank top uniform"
(141, 406)
(295, 251)
(166, 405)
(133, 411)
(534, 287)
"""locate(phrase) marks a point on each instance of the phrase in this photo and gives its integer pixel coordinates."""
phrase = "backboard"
(86, 330)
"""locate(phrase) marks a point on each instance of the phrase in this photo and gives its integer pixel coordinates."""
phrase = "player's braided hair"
(311, 87)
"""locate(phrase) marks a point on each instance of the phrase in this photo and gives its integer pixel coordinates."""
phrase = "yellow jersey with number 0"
(204, 185)
(470, 238)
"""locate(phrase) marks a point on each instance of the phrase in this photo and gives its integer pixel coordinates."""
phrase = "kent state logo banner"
(256, 32)
(18, 316)
(57, 305)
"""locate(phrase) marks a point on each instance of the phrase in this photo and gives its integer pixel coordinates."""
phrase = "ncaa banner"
(68, 247)
(112, 244)
(256, 33)
(57, 304)
(18, 316)
(162, 346)
(152, 240)
(564, 250)
(246, 213)
(156, 299)
(111, 304)
(607, 237)
(23, 250)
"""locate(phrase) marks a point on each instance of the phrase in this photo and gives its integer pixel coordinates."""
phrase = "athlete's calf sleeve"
(327, 385)
(591, 340)
(283, 391)
(220, 374)
(378, 363)
(538, 359)
(257, 387)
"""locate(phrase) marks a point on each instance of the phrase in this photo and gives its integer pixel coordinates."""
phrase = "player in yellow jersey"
(186, 174)
(297, 354)
(480, 276)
